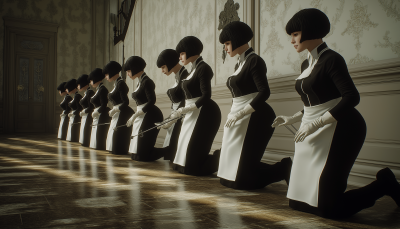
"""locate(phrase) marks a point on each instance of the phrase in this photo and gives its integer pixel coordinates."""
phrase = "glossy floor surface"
(47, 183)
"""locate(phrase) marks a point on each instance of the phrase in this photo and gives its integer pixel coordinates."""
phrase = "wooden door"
(30, 104)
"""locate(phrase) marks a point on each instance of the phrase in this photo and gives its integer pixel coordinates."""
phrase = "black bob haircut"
(313, 24)
(135, 64)
(239, 33)
(96, 75)
(61, 87)
(112, 68)
(83, 80)
(168, 57)
(191, 45)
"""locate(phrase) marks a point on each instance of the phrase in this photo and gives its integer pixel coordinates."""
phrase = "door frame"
(12, 28)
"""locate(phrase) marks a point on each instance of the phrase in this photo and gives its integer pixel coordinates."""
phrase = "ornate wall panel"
(361, 31)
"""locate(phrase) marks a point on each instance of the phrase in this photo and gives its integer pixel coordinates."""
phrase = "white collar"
(243, 55)
(314, 53)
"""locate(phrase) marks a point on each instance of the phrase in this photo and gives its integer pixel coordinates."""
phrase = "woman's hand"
(287, 120)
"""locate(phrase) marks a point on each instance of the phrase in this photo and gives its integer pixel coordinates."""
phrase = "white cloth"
(71, 121)
(171, 128)
(233, 139)
(93, 135)
(113, 124)
(60, 126)
(135, 130)
(188, 124)
(82, 130)
(310, 156)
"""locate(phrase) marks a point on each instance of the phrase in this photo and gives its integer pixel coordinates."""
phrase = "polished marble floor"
(47, 183)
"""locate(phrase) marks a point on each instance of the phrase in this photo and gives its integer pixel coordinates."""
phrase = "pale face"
(183, 59)
(134, 76)
(108, 77)
(83, 88)
(71, 92)
(296, 37)
(95, 84)
(164, 69)
(228, 49)
(62, 93)
(129, 73)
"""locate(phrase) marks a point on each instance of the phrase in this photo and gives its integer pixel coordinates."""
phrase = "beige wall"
(364, 32)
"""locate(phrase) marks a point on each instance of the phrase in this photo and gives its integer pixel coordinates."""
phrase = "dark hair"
(61, 87)
(96, 75)
(168, 57)
(313, 24)
(135, 64)
(83, 80)
(71, 85)
(112, 68)
(239, 33)
(191, 45)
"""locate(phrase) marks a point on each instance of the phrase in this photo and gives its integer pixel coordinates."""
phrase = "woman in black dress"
(86, 113)
(168, 61)
(64, 120)
(101, 119)
(147, 113)
(332, 131)
(74, 121)
(248, 127)
(202, 115)
(118, 136)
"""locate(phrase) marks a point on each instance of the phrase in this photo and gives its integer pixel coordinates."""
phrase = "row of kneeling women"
(327, 144)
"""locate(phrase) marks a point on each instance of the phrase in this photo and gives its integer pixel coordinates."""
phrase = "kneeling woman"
(147, 113)
(63, 127)
(101, 119)
(248, 127)
(332, 131)
(74, 122)
(118, 137)
(202, 114)
(86, 113)
(168, 61)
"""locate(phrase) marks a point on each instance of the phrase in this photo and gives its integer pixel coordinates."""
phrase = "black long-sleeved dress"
(86, 120)
(177, 97)
(63, 127)
(98, 136)
(118, 140)
(244, 143)
(142, 148)
(322, 162)
(200, 126)
(74, 128)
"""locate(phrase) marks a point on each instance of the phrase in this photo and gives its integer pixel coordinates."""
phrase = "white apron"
(233, 139)
(171, 128)
(82, 130)
(310, 156)
(71, 121)
(135, 130)
(188, 124)
(93, 135)
(110, 133)
(60, 126)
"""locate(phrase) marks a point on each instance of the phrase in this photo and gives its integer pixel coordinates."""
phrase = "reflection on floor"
(49, 183)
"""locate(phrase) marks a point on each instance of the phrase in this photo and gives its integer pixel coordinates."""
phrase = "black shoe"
(392, 187)
(287, 164)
